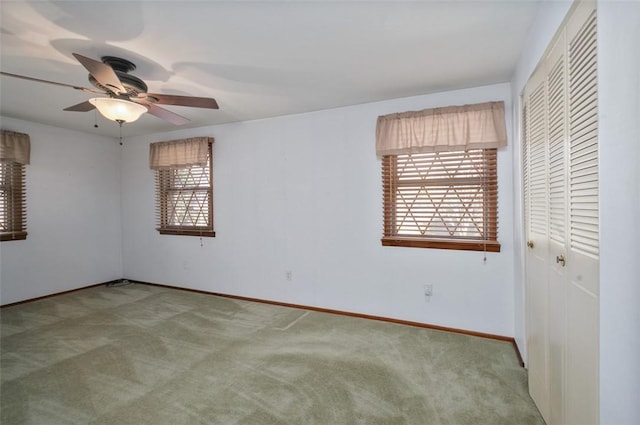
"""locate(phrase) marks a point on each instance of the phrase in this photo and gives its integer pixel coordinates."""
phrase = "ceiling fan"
(127, 98)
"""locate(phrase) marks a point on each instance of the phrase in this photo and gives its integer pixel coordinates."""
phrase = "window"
(12, 201)
(441, 200)
(439, 174)
(14, 155)
(185, 198)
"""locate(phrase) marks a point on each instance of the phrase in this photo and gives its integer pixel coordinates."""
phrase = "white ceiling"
(257, 59)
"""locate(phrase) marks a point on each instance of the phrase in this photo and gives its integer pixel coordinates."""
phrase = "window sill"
(184, 232)
(458, 244)
(13, 236)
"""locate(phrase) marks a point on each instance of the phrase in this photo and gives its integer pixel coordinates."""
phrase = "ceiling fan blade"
(103, 73)
(165, 114)
(169, 99)
(8, 74)
(81, 107)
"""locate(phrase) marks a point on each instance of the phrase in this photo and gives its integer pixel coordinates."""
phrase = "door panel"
(582, 260)
(556, 76)
(582, 357)
(537, 236)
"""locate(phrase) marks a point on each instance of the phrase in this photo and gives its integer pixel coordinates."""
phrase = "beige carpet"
(149, 355)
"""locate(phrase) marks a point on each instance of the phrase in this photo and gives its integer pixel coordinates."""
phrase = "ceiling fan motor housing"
(118, 64)
(122, 67)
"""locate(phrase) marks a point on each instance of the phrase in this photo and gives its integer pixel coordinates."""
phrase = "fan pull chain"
(120, 122)
(95, 118)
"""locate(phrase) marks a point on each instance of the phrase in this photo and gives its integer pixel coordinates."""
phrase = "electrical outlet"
(428, 290)
(289, 275)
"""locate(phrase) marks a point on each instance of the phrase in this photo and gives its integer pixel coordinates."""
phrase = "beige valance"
(451, 128)
(179, 153)
(15, 147)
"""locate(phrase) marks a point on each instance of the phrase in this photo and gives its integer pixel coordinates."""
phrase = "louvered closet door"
(583, 251)
(536, 228)
(556, 105)
(560, 154)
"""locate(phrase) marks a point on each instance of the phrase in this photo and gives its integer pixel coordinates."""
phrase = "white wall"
(619, 132)
(303, 193)
(73, 215)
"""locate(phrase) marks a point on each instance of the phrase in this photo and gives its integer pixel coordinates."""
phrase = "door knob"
(530, 244)
(560, 260)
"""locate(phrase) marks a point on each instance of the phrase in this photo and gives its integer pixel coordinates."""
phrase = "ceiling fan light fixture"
(118, 110)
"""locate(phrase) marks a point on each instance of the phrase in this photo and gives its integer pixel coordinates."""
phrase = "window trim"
(161, 204)
(390, 238)
(462, 245)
